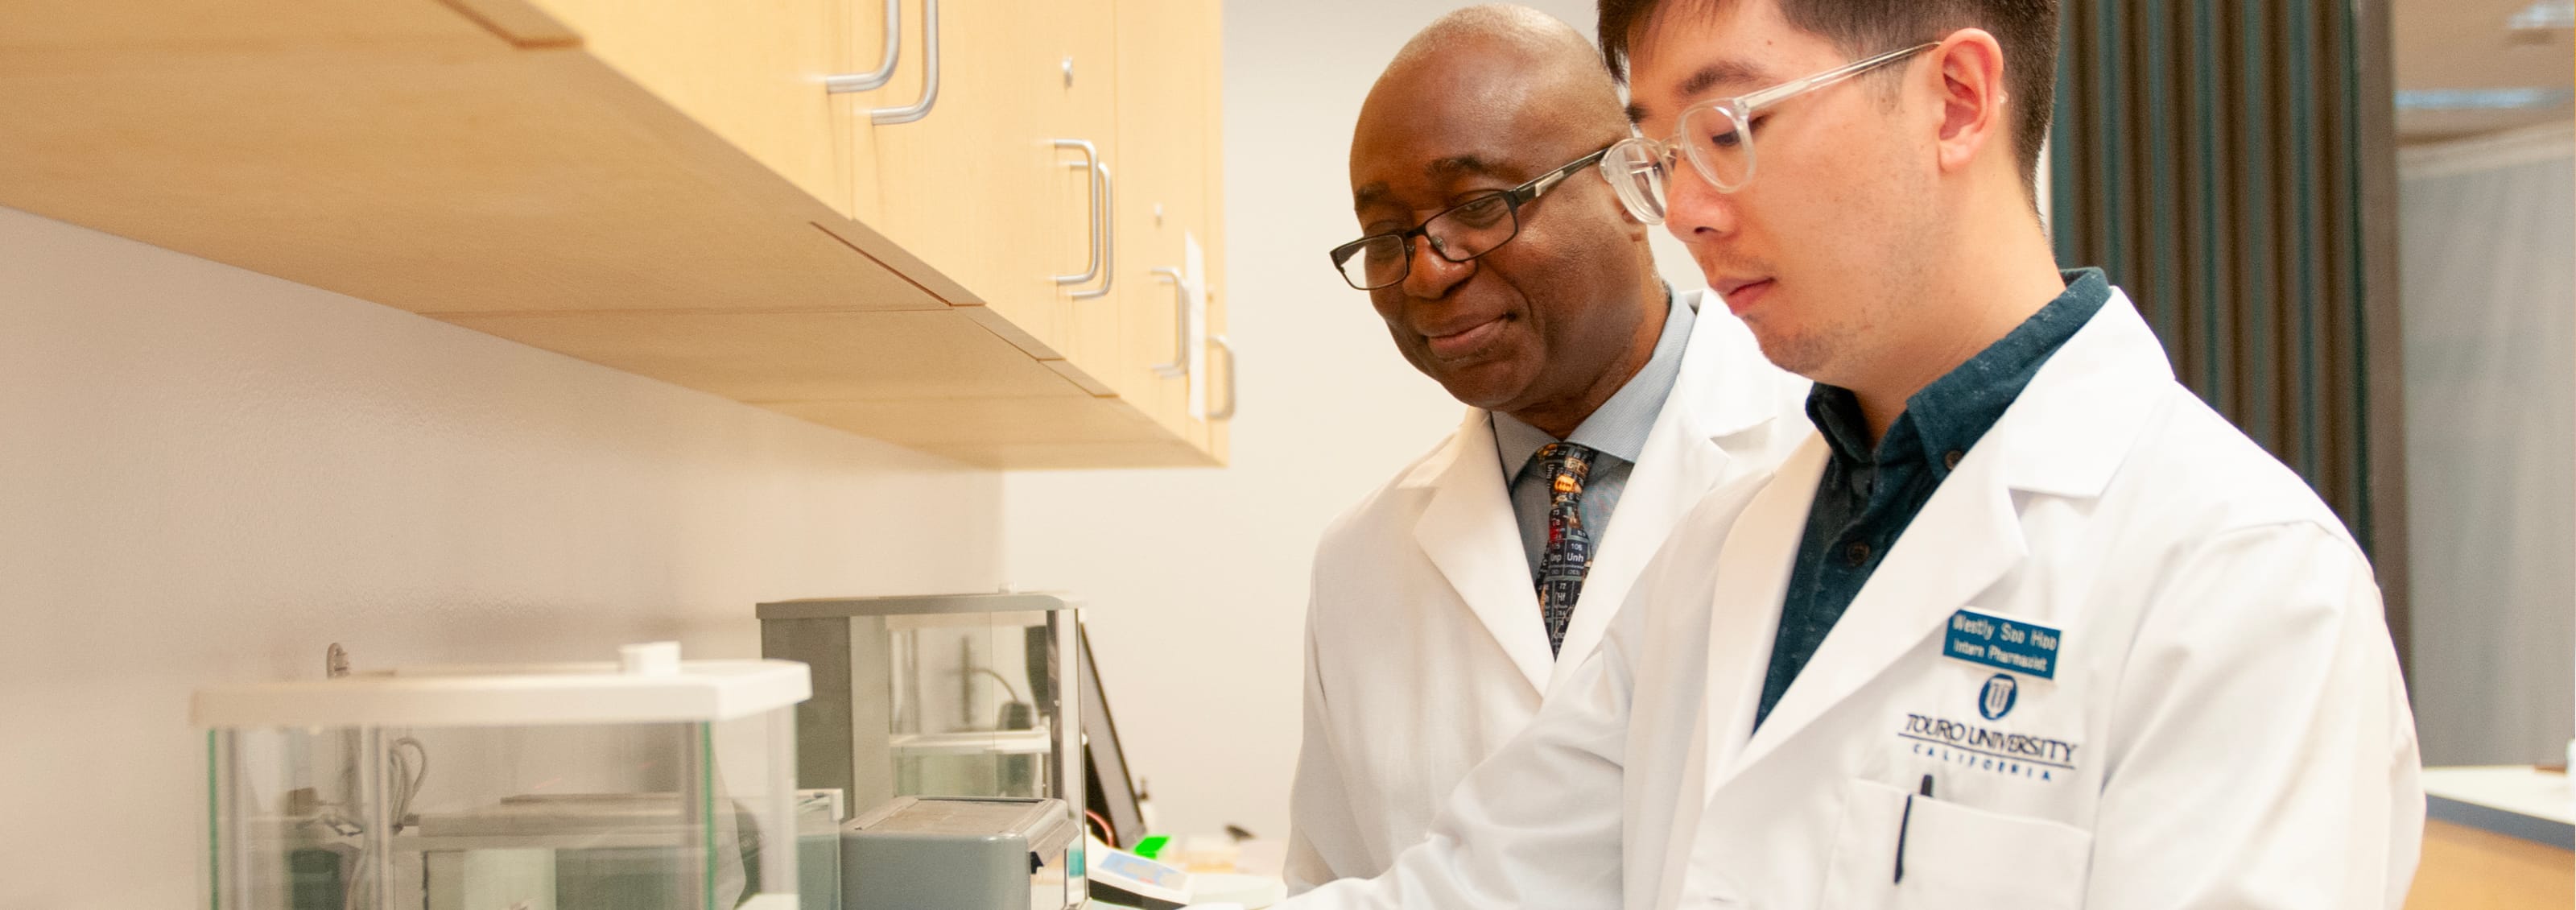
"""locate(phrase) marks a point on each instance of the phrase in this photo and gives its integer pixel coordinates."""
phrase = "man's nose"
(1695, 210)
(1430, 276)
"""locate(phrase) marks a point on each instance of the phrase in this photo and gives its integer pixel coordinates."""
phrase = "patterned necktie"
(1569, 545)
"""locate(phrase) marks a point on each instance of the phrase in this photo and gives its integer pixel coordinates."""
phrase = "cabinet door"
(976, 187)
(1090, 55)
(1166, 55)
(864, 48)
(1212, 179)
(751, 72)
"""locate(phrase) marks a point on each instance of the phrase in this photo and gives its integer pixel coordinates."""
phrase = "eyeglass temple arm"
(1560, 175)
(1784, 91)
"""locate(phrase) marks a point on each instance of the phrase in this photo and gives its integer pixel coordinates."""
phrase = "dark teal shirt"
(1868, 495)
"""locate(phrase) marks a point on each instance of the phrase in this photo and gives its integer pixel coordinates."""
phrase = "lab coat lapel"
(1716, 395)
(1467, 530)
(1971, 537)
(2065, 436)
(1753, 567)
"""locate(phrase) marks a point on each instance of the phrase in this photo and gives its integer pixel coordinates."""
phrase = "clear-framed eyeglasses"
(1458, 233)
(1717, 138)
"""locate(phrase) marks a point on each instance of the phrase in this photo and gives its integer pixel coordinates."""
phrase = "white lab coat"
(1424, 646)
(2237, 734)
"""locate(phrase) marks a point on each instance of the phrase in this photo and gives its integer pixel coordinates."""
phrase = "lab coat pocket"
(1953, 856)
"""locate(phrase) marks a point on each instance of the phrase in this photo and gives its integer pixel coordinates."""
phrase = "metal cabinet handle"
(875, 78)
(1105, 225)
(1090, 162)
(929, 73)
(1228, 348)
(1180, 365)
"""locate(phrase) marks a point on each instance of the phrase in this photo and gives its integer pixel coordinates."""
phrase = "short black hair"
(2027, 29)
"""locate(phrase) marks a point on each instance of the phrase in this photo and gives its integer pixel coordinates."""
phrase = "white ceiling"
(2464, 44)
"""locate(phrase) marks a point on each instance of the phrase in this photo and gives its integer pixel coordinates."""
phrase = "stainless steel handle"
(1228, 348)
(1180, 365)
(1090, 162)
(875, 78)
(1106, 221)
(929, 73)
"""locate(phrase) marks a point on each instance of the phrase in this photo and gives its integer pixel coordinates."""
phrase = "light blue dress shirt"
(1617, 430)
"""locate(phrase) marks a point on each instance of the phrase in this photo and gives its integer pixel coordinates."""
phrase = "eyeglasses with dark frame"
(1459, 233)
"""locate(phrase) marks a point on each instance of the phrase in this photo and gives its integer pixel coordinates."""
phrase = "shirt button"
(1857, 554)
(1951, 461)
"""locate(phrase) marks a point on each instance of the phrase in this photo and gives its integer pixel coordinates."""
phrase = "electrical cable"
(409, 773)
(408, 776)
(1006, 682)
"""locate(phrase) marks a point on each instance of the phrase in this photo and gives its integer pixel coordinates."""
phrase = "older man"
(1601, 404)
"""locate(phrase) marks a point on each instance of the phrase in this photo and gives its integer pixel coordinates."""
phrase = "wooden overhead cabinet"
(968, 234)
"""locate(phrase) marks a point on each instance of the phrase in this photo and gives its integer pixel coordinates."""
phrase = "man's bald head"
(1545, 45)
(1547, 324)
(1492, 63)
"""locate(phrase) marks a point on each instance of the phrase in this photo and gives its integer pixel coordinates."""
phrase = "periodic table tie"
(1569, 544)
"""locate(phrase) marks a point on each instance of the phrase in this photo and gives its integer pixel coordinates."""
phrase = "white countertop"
(2519, 789)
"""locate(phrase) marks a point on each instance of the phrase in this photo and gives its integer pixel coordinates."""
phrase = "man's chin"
(1480, 391)
(1469, 381)
(1483, 400)
(1796, 352)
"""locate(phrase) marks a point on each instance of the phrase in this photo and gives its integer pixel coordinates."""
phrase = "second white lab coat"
(1425, 650)
(2225, 728)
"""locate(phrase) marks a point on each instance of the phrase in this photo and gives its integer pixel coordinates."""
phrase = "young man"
(1600, 407)
(2027, 625)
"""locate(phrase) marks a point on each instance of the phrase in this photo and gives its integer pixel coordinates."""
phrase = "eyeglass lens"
(1465, 232)
(1715, 140)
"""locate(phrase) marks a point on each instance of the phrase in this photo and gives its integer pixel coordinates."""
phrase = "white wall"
(208, 474)
(1197, 577)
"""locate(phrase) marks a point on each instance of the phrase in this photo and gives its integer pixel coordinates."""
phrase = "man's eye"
(1733, 138)
(1483, 210)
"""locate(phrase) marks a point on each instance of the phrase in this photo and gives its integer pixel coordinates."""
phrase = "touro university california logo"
(1999, 749)
(2000, 693)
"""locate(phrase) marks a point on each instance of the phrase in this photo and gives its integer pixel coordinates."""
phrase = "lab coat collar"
(2065, 436)
(1621, 426)
(1467, 530)
(1724, 391)
(2072, 435)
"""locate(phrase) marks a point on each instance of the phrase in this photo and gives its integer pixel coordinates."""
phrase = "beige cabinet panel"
(751, 71)
(40, 27)
(1212, 177)
(768, 358)
(451, 177)
(1092, 52)
(665, 187)
(1029, 433)
(976, 188)
(1167, 56)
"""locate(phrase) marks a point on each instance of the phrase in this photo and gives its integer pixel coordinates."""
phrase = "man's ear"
(1628, 222)
(1636, 229)
(1970, 67)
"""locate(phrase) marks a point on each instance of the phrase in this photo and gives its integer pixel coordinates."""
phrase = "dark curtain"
(2231, 163)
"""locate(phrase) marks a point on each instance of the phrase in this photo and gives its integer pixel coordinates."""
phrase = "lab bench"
(2496, 837)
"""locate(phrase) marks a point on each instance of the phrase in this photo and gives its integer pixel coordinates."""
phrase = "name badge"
(2004, 644)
